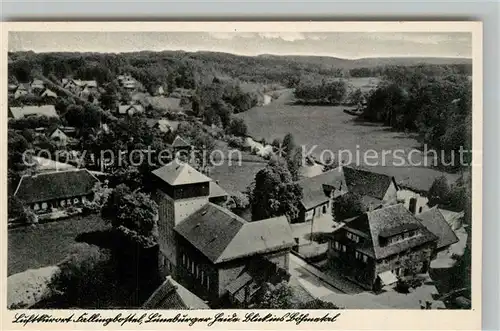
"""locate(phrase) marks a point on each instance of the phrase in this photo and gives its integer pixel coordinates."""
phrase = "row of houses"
(214, 257)
(36, 87)
(398, 234)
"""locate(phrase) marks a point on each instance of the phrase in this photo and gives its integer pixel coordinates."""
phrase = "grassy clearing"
(47, 244)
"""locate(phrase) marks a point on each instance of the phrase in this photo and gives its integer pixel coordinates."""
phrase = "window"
(352, 237)
(344, 248)
(365, 258)
(336, 245)
(202, 277)
(324, 209)
(358, 255)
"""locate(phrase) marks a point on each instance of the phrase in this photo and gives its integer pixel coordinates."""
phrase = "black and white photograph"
(227, 170)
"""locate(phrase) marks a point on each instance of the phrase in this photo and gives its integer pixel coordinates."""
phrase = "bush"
(83, 276)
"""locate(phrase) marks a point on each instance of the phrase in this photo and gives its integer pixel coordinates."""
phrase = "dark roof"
(172, 295)
(435, 222)
(313, 188)
(381, 220)
(417, 179)
(398, 229)
(221, 235)
(367, 183)
(55, 185)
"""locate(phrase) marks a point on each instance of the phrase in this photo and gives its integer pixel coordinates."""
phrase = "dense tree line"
(326, 92)
(438, 108)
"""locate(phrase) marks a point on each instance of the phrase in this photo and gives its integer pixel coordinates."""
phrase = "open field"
(47, 244)
(323, 128)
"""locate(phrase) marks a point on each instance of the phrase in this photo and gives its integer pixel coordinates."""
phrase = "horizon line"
(247, 55)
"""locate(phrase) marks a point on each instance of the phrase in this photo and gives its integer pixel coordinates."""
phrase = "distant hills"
(367, 62)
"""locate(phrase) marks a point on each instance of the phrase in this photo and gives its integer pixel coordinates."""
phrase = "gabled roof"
(172, 295)
(367, 183)
(180, 142)
(55, 185)
(46, 110)
(217, 191)
(49, 93)
(435, 222)
(417, 179)
(380, 222)
(222, 236)
(180, 173)
(51, 132)
(313, 188)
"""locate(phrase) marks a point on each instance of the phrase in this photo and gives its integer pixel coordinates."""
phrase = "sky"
(348, 45)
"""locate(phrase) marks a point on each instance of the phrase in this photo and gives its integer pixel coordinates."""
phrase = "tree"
(17, 146)
(238, 201)
(356, 97)
(275, 193)
(279, 296)
(238, 127)
(439, 193)
(347, 206)
(134, 211)
(15, 208)
(83, 278)
(289, 143)
(317, 304)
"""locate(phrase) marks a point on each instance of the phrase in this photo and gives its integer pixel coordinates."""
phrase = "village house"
(377, 247)
(414, 184)
(32, 111)
(435, 222)
(58, 136)
(215, 249)
(205, 246)
(320, 191)
(48, 94)
(50, 191)
(172, 295)
(22, 89)
(163, 125)
(180, 144)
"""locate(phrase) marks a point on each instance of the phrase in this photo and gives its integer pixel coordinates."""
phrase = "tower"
(180, 190)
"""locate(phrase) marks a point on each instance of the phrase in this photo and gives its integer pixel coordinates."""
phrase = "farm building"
(320, 191)
(435, 222)
(50, 191)
(29, 111)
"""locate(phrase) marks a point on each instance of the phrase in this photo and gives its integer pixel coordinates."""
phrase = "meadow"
(327, 127)
(47, 244)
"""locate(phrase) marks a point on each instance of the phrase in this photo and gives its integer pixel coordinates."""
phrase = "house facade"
(320, 191)
(204, 246)
(50, 191)
(216, 247)
(59, 137)
(376, 248)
